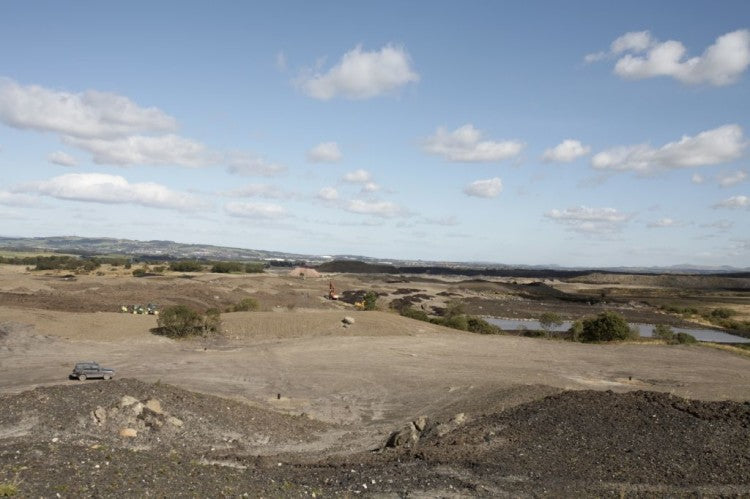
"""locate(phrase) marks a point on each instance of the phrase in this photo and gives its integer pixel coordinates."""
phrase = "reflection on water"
(645, 330)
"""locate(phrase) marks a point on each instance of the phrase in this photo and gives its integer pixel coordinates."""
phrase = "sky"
(579, 133)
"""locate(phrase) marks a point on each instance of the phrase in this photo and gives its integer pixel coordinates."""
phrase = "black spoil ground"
(67, 441)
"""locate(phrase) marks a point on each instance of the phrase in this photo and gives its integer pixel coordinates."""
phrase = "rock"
(100, 415)
(136, 408)
(128, 433)
(154, 405)
(420, 423)
(405, 437)
(459, 419)
(127, 400)
(348, 320)
(174, 421)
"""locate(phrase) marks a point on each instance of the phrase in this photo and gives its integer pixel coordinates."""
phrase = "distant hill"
(170, 250)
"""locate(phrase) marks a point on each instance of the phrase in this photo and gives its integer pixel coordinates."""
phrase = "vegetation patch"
(181, 321)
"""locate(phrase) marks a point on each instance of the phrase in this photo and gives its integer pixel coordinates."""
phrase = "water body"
(645, 330)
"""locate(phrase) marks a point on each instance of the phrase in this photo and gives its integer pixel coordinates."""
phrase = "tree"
(549, 321)
(180, 321)
(663, 332)
(370, 300)
(576, 330)
(607, 326)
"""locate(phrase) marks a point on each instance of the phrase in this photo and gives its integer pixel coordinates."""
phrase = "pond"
(646, 330)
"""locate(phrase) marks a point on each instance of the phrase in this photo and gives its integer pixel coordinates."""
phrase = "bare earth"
(321, 395)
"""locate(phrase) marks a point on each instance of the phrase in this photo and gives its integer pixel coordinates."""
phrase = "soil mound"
(587, 436)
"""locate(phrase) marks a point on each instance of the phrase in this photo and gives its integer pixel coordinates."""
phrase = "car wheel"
(107, 376)
(82, 377)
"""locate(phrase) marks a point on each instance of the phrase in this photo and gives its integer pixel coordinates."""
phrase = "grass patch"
(743, 351)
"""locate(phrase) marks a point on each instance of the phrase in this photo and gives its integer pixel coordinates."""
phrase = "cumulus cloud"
(734, 202)
(465, 145)
(383, 209)
(259, 190)
(589, 220)
(256, 211)
(370, 187)
(112, 189)
(169, 149)
(730, 179)
(712, 147)
(328, 194)
(358, 177)
(566, 151)
(643, 56)
(250, 165)
(488, 188)
(89, 114)
(361, 75)
(326, 152)
(662, 223)
(62, 159)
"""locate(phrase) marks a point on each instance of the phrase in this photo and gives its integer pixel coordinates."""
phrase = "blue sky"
(570, 133)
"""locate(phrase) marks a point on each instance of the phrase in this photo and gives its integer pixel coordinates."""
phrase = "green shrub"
(245, 305)
(481, 326)
(685, 339)
(575, 331)
(371, 300)
(139, 272)
(180, 321)
(460, 322)
(550, 320)
(607, 326)
(413, 313)
(186, 266)
(227, 267)
(721, 313)
(663, 332)
(255, 268)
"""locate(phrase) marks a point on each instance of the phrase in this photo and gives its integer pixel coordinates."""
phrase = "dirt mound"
(132, 414)
(582, 437)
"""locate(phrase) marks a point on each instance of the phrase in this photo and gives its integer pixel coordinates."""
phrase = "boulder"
(127, 400)
(154, 406)
(128, 433)
(348, 320)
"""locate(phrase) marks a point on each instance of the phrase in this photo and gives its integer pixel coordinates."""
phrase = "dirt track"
(356, 383)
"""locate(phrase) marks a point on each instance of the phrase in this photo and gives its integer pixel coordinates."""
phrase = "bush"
(180, 321)
(245, 305)
(254, 268)
(186, 266)
(481, 326)
(139, 272)
(550, 320)
(227, 267)
(685, 339)
(413, 313)
(460, 322)
(575, 331)
(370, 300)
(663, 332)
(607, 326)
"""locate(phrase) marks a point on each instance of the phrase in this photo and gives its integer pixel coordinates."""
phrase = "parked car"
(90, 369)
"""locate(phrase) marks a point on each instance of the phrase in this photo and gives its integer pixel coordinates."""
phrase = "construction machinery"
(332, 291)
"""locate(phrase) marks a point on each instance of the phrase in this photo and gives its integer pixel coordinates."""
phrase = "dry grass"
(744, 352)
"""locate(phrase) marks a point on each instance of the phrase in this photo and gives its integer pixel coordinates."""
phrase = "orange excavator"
(332, 291)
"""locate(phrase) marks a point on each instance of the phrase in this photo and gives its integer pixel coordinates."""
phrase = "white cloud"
(730, 179)
(256, 210)
(326, 152)
(250, 165)
(566, 151)
(719, 224)
(734, 202)
(464, 144)
(358, 177)
(370, 187)
(662, 223)
(590, 220)
(62, 159)
(170, 149)
(16, 199)
(112, 189)
(328, 194)
(260, 190)
(697, 178)
(383, 209)
(361, 75)
(488, 188)
(445, 221)
(645, 57)
(90, 114)
(712, 147)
